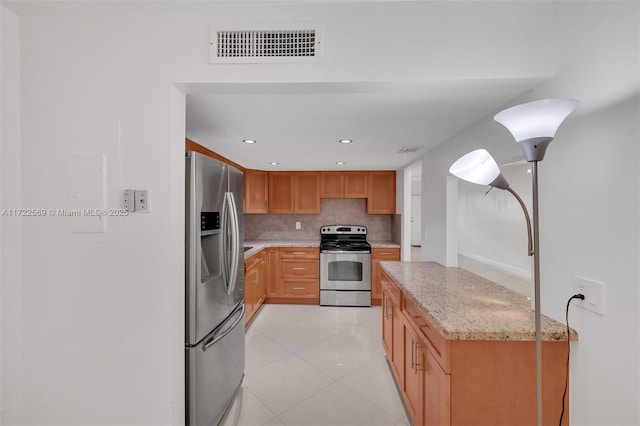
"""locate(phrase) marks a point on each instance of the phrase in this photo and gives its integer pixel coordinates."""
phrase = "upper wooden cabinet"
(382, 192)
(331, 184)
(294, 192)
(256, 191)
(300, 192)
(281, 192)
(343, 185)
(307, 192)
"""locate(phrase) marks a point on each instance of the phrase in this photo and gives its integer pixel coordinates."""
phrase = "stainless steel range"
(345, 266)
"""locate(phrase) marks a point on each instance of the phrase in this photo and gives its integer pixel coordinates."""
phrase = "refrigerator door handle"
(226, 272)
(220, 334)
(235, 244)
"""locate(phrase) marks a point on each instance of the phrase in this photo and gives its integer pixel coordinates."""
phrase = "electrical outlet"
(594, 294)
(127, 200)
(298, 225)
(141, 197)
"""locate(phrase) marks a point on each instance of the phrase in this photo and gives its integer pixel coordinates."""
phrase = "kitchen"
(84, 86)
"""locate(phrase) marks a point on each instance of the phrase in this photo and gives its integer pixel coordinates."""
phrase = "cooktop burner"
(344, 238)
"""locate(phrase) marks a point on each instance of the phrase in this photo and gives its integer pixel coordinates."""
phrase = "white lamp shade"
(476, 167)
(537, 119)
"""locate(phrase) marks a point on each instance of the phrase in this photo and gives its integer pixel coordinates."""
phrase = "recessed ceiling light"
(273, 163)
(345, 141)
(249, 141)
(340, 163)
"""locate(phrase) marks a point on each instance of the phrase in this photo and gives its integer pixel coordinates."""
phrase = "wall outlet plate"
(594, 294)
(141, 197)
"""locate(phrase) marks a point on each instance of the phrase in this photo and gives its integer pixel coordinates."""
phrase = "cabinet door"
(261, 285)
(250, 281)
(397, 349)
(307, 192)
(378, 255)
(387, 326)
(281, 192)
(256, 191)
(412, 375)
(355, 185)
(273, 272)
(382, 192)
(331, 185)
(436, 399)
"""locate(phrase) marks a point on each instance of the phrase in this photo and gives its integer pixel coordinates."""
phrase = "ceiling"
(299, 125)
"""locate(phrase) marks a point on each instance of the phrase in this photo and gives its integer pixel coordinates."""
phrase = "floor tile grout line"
(370, 321)
(367, 399)
(275, 360)
(263, 403)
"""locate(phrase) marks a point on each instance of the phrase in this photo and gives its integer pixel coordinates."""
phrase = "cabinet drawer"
(436, 344)
(385, 253)
(291, 268)
(299, 253)
(301, 288)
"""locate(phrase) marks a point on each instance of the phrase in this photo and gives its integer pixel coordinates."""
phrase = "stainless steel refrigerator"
(214, 281)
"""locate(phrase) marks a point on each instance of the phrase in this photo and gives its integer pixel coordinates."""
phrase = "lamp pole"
(536, 286)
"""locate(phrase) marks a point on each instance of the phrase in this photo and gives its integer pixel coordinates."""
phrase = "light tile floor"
(316, 365)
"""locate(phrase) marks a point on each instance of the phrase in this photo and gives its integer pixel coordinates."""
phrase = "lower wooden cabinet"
(255, 284)
(379, 255)
(393, 329)
(436, 390)
(413, 377)
(466, 382)
(293, 275)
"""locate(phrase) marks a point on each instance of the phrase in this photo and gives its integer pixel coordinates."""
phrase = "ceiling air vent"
(290, 43)
(409, 149)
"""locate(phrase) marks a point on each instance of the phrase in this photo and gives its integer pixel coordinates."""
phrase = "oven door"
(345, 270)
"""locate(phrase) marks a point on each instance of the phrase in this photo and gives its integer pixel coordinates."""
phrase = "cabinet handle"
(299, 269)
(296, 253)
(413, 344)
(415, 371)
(298, 288)
(417, 321)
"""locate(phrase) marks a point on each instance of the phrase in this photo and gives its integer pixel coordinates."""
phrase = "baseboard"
(501, 267)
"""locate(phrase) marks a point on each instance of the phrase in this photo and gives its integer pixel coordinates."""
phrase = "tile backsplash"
(332, 212)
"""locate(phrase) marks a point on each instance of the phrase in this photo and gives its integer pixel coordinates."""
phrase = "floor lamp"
(533, 125)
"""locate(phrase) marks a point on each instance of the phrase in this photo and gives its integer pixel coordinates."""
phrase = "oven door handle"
(344, 252)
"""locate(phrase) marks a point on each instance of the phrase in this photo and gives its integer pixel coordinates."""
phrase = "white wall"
(10, 227)
(101, 314)
(497, 216)
(589, 201)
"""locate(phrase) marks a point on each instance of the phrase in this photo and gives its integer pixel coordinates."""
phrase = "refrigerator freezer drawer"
(214, 371)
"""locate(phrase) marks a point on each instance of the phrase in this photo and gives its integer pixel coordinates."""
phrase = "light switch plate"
(127, 200)
(594, 294)
(298, 225)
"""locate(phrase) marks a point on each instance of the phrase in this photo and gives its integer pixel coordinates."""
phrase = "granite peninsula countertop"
(257, 245)
(464, 306)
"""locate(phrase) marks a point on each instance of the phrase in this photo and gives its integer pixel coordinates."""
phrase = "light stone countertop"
(384, 244)
(257, 245)
(464, 306)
